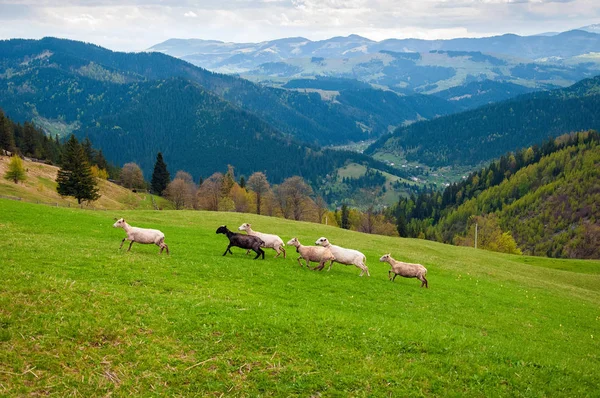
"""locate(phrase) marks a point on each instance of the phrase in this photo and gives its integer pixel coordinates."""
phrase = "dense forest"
(545, 196)
(479, 135)
(34, 70)
(479, 93)
(27, 140)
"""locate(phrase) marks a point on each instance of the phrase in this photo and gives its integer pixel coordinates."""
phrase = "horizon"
(137, 25)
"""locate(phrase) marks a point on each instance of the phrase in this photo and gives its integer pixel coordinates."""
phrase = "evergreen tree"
(90, 152)
(345, 217)
(75, 176)
(401, 226)
(15, 171)
(242, 182)
(160, 176)
(7, 138)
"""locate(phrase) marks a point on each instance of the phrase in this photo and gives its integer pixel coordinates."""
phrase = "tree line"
(450, 215)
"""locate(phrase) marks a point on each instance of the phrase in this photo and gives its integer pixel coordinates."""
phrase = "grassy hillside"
(40, 186)
(80, 317)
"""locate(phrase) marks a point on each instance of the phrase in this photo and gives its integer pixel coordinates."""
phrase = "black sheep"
(243, 241)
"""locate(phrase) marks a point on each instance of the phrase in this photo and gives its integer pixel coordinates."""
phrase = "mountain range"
(135, 105)
(404, 65)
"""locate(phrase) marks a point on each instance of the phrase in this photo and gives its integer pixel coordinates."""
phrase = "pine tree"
(7, 138)
(345, 217)
(90, 152)
(75, 176)
(15, 171)
(160, 176)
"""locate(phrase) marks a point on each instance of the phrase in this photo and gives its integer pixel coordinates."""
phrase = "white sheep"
(345, 256)
(312, 253)
(407, 270)
(141, 235)
(271, 241)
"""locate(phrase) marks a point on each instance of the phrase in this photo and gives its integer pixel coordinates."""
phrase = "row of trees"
(293, 198)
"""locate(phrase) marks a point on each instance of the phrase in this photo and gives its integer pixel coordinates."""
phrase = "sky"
(135, 25)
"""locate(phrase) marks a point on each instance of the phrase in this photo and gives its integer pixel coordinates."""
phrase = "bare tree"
(293, 195)
(182, 191)
(185, 176)
(259, 184)
(321, 207)
(209, 193)
(131, 176)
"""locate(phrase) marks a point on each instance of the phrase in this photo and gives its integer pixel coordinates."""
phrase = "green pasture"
(79, 317)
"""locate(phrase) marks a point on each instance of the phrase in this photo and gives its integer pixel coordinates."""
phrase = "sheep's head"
(385, 258)
(294, 242)
(244, 227)
(222, 229)
(322, 242)
(120, 223)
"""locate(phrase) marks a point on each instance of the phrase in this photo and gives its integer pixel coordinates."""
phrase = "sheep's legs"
(299, 263)
(424, 282)
(279, 250)
(131, 244)
(259, 251)
(163, 246)
(123, 241)
(228, 250)
(320, 266)
(330, 264)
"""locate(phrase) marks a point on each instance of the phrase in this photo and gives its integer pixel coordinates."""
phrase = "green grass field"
(79, 317)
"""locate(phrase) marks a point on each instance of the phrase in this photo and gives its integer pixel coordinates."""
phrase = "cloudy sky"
(132, 25)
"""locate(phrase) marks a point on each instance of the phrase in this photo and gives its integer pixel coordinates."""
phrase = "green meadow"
(79, 317)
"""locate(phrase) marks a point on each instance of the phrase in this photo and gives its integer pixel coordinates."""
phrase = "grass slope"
(40, 186)
(80, 317)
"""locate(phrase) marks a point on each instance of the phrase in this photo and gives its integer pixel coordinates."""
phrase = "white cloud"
(190, 14)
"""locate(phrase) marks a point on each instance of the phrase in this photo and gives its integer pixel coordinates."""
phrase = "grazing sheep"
(345, 256)
(271, 241)
(312, 253)
(407, 270)
(243, 241)
(141, 235)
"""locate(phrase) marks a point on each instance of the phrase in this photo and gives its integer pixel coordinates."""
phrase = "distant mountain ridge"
(213, 52)
(406, 66)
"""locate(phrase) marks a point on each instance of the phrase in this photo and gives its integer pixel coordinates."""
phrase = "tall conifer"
(75, 176)
(160, 176)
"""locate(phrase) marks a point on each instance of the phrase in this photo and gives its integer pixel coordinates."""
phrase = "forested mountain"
(480, 93)
(29, 67)
(545, 197)
(478, 135)
(131, 118)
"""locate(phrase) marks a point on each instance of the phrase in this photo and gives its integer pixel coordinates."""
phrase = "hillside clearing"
(78, 316)
(40, 186)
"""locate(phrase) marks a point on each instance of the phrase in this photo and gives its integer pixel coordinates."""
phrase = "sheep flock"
(322, 253)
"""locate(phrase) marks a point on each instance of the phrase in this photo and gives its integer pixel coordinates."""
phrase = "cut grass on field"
(78, 316)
